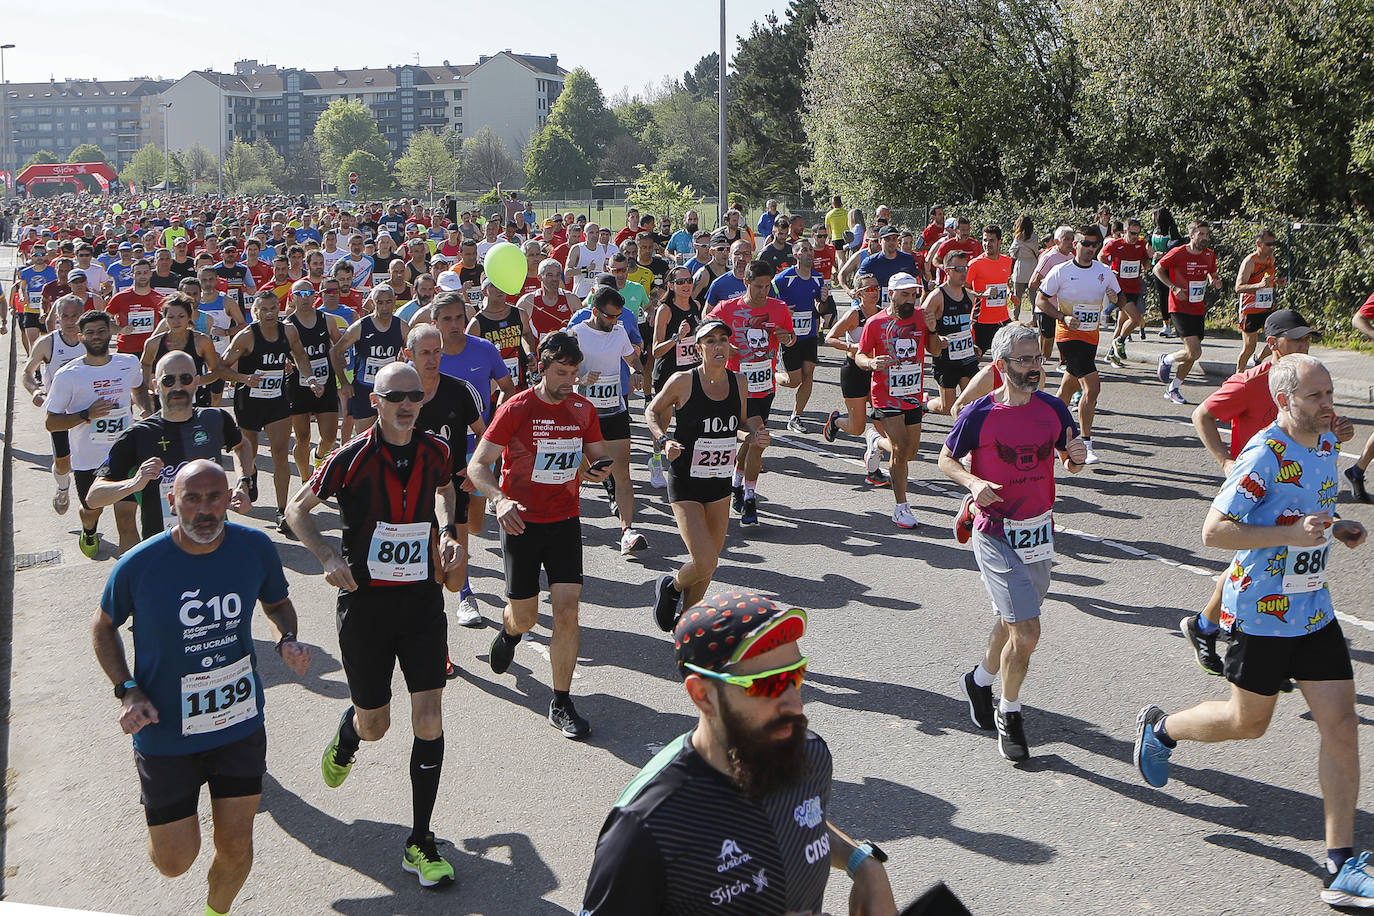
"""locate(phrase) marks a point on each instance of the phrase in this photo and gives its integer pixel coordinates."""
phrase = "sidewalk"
(1352, 371)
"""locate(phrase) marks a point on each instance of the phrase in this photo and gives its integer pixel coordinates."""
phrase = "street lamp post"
(724, 147)
(166, 150)
(5, 118)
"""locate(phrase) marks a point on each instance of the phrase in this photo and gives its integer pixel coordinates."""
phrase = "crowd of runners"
(421, 397)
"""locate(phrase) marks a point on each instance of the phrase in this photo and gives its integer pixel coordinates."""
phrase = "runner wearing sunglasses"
(399, 548)
(737, 809)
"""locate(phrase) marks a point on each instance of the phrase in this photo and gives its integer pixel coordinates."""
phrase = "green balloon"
(118, 209)
(506, 266)
(157, 204)
(143, 204)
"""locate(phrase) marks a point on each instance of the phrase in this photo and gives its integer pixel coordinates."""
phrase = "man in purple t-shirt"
(1011, 437)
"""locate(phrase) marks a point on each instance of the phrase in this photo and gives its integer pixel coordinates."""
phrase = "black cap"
(605, 279)
(733, 626)
(1288, 323)
(888, 230)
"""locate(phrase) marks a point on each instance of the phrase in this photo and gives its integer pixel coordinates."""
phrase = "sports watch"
(121, 689)
(863, 851)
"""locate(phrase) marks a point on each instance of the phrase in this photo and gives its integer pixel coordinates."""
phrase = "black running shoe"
(282, 526)
(666, 603)
(749, 512)
(253, 487)
(832, 426)
(1204, 646)
(980, 705)
(878, 478)
(502, 651)
(737, 499)
(1011, 736)
(1355, 475)
(563, 716)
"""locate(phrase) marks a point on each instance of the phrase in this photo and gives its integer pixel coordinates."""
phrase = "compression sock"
(1206, 627)
(737, 480)
(981, 676)
(426, 763)
(348, 738)
(1163, 735)
(466, 590)
(560, 698)
(1006, 706)
(1335, 858)
(749, 487)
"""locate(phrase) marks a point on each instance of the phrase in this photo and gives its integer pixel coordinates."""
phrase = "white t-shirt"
(1077, 288)
(332, 257)
(362, 271)
(483, 246)
(603, 351)
(96, 277)
(77, 386)
(583, 258)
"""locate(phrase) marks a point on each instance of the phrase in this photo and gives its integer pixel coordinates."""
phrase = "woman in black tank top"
(675, 347)
(854, 382)
(709, 404)
(177, 315)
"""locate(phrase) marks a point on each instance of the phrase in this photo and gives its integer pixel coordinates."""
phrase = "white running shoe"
(631, 542)
(1092, 455)
(61, 500)
(469, 615)
(794, 424)
(873, 452)
(656, 478)
(902, 517)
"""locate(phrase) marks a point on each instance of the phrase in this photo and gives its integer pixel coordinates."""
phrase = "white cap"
(449, 281)
(903, 280)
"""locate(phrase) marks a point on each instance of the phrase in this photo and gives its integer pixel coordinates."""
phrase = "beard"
(691, 227)
(95, 348)
(760, 764)
(905, 309)
(188, 528)
(1028, 381)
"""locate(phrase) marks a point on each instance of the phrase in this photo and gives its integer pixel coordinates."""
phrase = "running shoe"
(1353, 886)
(1119, 347)
(564, 717)
(1151, 756)
(656, 478)
(89, 543)
(334, 769)
(1164, 371)
(794, 423)
(282, 526)
(1204, 645)
(1353, 474)
(1011, 736)
(450, 669)
(873, 451)
(1168, 330)
(902, 517)
(1091, 457)
(63, 499)
(963, 528)
(609, 486)
(631, 542)
(980, 704)
(832, 426)
(1116, 361)
(502, 651)
(1073, 401)
(253, 487)
(1173, 394)
(877, 478)
(422, 859)
(666, 603)
(737, 499)
(469, 615)
(749, 514)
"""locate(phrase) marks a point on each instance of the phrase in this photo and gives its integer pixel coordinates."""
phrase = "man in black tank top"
(718, 266)
(949, 317)
(318, 333)
(377, 340)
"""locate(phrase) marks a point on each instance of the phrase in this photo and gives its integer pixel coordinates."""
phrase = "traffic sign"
(352, 177)
(353, 190)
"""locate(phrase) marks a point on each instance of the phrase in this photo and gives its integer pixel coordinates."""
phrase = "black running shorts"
(1260, 664)
(170, 785)
(380, 625)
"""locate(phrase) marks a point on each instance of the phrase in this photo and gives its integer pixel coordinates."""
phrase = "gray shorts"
(1016, 588)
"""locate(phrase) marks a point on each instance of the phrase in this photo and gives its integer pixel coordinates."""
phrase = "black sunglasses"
(396, 397)
(184, 378)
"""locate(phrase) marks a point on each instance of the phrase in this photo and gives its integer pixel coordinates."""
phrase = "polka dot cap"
(732, 626)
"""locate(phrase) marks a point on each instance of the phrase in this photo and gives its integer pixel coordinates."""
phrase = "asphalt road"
(896, 617)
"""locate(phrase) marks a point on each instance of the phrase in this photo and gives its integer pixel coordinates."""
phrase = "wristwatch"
(863, 851)
(121, 689)
(660, 442)
(85, 415)
(451, 530)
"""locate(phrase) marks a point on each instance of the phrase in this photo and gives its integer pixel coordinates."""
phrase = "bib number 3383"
(216, 699)
(399, 553)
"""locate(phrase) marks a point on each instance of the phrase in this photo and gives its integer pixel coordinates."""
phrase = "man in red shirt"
(257, 268)
(631, 229)
(1244, 401)
(1186, 272)
(757, 323)
(936, 230)
(989, 277)
(1125, 257)
(962, 241)
(541, 435)
(1364, 323)
(137, 310)
(573, 236)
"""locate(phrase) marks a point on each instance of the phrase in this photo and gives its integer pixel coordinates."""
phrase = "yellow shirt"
(641, 275)
(837, 221)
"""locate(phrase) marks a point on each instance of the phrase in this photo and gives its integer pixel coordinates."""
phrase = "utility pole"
(4, 117)
(724, 143)
(166, 150)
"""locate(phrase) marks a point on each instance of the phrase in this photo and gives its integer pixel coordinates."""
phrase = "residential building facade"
(60, 116)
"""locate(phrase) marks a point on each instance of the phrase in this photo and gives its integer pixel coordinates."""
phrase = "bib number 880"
(1310, 562)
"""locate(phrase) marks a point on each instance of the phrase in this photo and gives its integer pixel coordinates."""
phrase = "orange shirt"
(990, 280)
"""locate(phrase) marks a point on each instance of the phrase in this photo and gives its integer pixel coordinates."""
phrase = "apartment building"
(60, 116)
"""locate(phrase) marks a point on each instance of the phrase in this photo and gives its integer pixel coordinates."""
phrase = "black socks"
(426, 763)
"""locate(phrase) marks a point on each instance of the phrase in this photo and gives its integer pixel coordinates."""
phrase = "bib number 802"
(399, 552)
(221, 698)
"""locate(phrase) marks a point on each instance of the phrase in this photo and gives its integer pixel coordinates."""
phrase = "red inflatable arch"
(66, 172)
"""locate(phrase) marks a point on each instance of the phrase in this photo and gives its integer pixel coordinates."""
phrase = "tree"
(623, 156)
(656, 193)
(42, 157)
(486, 161)
(241, 165)
(580, 111)
(303, 170)
(200, 162)
(702, 82)
(346, 127)
(686, 135)
(555, 163)
(374, 177)
(180, 176)
(427, 157)
(273, 165)
(146, 167)
(87, 152)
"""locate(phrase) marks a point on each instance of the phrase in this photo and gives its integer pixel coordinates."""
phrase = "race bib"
(556, 460)
(1196, 289)
(1089, 317)
(105, 430)
(1031, 538)
(801, 323)
(372, 366)
(905, 381)
(1130, 270)
(758, 376)
(399, 553)
(474, 296)
(714, 457)
(1264, 298)
(996, 296)
(686, 352)
(1306, 568)
(604, 395)
(512, 366)
(959, 346)
(142, 321)
(35, 301)
(164, 489)
(319, 368)
(270, 384)
(216, 699)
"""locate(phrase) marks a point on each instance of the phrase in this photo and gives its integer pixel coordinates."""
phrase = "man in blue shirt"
(802, 289)
(681, 244)
(767, 219)
(193, 702)
(888, 260)
(728, 286)
(1276, 510)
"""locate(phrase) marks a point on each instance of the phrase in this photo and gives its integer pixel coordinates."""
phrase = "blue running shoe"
(1164, 371)
(1151, 756)
(1352, 886)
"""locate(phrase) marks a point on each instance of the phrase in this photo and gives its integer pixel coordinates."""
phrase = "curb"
(1346, 389)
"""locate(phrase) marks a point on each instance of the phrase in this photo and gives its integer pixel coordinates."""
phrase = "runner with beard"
(893, 348)
(734, 814)
(1012, 436)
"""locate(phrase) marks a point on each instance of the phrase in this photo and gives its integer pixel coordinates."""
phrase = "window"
(457, 94)
(458, 127)
(26, 112)
(107, 125)
(45, 128)
(293, 83)
(407, 79)
(457, 111)
(107, 109)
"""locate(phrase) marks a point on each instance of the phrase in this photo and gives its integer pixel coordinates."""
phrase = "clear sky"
(621, 44)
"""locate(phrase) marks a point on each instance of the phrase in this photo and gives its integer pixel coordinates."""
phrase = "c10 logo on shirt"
(195, 612)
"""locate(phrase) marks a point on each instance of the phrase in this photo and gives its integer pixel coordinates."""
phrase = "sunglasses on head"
(396, 397)
(765, 684)
(184, 378)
